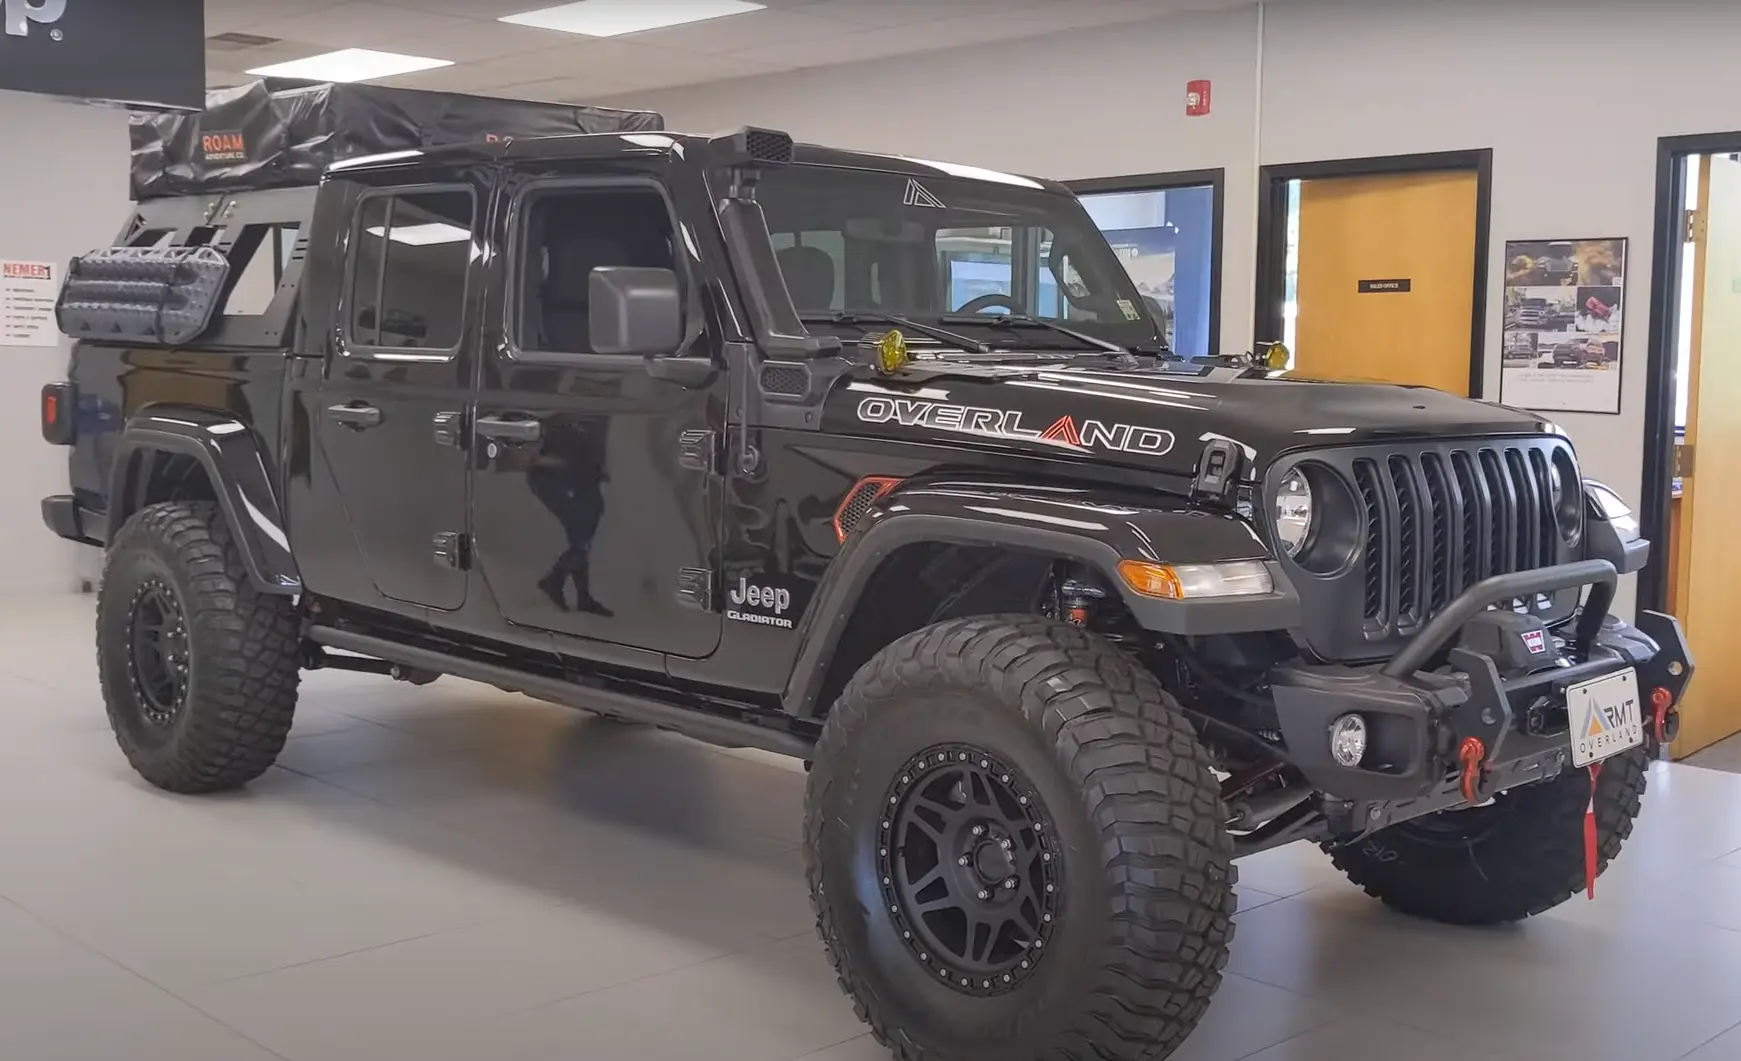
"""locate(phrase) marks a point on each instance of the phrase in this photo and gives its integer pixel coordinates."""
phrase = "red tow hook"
(1470, 755)
(1660, 701)
(1590, 852)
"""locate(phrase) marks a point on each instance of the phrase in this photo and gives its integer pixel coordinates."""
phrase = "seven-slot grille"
(1439, 520)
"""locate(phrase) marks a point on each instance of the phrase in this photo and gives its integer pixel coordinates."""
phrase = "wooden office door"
(1414, 228)
(1709, 605)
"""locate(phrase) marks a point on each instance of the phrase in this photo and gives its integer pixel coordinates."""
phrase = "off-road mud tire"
(1146, 882)
(1490, 865)
(243, 667)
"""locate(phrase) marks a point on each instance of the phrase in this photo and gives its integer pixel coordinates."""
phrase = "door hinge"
(1695, 226)
(697, 451)
(1683, 460)
(450, 429)
(452, 549)
(695, 588)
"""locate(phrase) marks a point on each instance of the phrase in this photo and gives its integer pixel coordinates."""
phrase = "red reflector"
(50, 408)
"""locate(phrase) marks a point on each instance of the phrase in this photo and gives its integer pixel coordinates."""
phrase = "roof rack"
(276, 133)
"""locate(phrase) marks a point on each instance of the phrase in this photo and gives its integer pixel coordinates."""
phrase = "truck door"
(388, 421)
(596, 506)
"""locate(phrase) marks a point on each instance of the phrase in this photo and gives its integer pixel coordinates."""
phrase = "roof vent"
(236, 42)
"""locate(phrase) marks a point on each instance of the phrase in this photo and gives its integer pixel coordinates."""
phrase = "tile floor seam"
(141, 977)
(1335, 1015)
(342, 954)
(1708, 1042)
(621, 983)
(829, 1046)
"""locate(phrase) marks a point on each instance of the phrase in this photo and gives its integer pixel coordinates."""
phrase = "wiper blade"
(942, 335)
(1016, 320)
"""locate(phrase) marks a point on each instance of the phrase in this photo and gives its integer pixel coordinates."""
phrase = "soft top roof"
(277, 134)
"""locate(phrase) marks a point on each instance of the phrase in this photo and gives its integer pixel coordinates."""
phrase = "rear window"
(412, 251)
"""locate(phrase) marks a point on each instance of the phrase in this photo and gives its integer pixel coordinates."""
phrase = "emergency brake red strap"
(1590, 851)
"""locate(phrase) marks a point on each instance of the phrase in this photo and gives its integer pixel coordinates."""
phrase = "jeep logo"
(19, 14)
(767, 598)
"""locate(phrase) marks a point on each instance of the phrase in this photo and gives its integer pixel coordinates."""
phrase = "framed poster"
(1564, 311)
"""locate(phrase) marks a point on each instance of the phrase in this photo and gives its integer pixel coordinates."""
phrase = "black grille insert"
(1429, 521)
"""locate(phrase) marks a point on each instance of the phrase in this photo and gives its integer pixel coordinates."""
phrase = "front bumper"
(1418, 718)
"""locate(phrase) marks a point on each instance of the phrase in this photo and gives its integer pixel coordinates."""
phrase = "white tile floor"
(454, 874)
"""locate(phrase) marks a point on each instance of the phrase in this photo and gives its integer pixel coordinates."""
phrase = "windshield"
(938, 247)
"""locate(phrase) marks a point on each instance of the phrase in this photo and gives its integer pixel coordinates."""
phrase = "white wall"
(1571, 97)
(1090, 103)
(63, 191)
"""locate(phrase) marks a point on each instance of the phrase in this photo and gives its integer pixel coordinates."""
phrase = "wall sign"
(1563, 320)
(1385, 287)
(27, 296)
(148, 54)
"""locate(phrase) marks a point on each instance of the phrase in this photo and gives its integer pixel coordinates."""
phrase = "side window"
(408, 283)
(564, 234)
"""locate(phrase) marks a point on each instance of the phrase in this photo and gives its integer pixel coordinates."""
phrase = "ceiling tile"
(752, 30)
(225, 16)
(914, 12)
(477, 10)
(362, 25)
(479, 41)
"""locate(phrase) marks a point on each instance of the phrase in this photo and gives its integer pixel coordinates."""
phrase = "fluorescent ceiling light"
(424, 235)
(612, 18)
(351, 64)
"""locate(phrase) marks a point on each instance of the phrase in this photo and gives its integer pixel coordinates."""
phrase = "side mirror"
(635, 311)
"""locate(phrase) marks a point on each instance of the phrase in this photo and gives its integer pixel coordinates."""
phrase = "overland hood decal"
(1065, 432)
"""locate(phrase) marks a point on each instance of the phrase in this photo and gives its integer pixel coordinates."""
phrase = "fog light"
(1348, 740)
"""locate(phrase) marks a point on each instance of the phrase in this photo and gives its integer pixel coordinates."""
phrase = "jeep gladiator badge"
(771, 602)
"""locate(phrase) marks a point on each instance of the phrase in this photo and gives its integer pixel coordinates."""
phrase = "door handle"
(359, 417)
(510, 430)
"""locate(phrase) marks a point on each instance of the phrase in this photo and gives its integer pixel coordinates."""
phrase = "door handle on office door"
(357, 417)
(510, 430)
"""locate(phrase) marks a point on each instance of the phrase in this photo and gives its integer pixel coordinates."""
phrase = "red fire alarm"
(1196, 99)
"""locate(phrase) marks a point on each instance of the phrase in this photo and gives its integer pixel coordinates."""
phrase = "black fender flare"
(1074, 523)
(235, 462)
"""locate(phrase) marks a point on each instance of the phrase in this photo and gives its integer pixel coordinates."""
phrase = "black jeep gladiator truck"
(685, 430)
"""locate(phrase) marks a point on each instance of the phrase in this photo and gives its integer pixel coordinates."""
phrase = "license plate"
(1605, 717)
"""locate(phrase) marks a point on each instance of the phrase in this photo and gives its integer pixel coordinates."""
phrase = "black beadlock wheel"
(1016, 849)
(198, 669)
(1514, 858)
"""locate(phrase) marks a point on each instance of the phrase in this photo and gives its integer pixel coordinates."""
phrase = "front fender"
(234, 462)
(1078, 524)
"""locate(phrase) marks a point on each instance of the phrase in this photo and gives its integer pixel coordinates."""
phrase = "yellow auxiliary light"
(1276, 357)
(892, 353)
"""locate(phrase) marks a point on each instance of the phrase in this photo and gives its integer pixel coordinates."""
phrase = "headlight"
(1293, 520)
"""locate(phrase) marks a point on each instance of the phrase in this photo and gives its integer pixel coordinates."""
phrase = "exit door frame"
(1657, 492)
(1272, 233)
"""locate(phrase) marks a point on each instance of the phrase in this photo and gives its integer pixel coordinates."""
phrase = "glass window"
(949, 249)
(567, 233)
(1165, 239)
(411, 257)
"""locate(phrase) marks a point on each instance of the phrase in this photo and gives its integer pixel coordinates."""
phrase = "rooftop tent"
(277, 134)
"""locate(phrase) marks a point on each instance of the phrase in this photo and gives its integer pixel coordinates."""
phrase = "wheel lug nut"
(1005, 844)
(1011, 883)
(979, 830)
(962, 861)
(983, 894)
